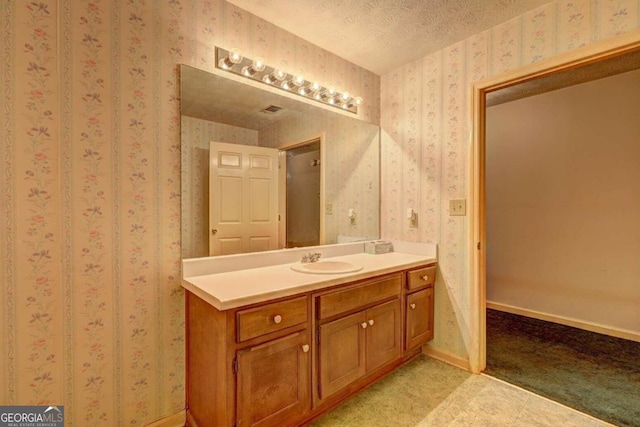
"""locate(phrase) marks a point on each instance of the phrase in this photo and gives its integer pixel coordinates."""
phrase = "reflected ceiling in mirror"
(224, 110)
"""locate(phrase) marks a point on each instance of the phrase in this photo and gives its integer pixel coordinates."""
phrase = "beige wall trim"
(449, 358)
(190, 421)
(176, 420)
(567, 321)
(594, 52)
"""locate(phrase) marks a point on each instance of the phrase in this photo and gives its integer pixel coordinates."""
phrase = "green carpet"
(593, 373)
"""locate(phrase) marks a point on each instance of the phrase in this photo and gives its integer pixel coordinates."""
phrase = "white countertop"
(239, 287)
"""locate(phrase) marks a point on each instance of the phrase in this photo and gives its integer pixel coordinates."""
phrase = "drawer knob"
(425, 277)
(305, 348)
(413, 306)
(277, 318)
(371, 322)
(364, 325)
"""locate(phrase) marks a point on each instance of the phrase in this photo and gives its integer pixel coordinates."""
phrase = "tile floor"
(427, 392)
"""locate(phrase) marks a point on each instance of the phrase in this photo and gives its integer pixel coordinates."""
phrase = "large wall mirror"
(328, 165)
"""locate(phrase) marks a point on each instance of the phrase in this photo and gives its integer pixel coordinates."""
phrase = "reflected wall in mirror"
(215, 108)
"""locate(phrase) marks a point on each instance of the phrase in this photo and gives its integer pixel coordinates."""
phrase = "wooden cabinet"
(383, 334)
(364, 294)
(419, 318)
(276, 376)
(419, 306)
(249, 366)
(342, 353)
(357, 344)
(288, 361)
(270, 318)
(421, 277)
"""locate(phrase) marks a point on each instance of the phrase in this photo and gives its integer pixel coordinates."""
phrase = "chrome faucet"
(310, 257)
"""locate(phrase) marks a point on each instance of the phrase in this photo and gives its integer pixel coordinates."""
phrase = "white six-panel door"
(243, 198)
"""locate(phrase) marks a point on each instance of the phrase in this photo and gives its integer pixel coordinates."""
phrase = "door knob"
(277, 318)
(214, 231)
(364, 325)
(305, 348)
(371, 322)
(413, 306)
(425, 277)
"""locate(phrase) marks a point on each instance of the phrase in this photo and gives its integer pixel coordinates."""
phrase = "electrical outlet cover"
(328, 209)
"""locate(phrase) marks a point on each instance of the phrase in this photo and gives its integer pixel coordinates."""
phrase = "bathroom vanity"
(273, 346)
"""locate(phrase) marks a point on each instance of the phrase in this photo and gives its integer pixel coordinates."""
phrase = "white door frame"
(606, 49)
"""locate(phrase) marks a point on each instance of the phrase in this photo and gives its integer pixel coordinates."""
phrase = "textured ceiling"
(381, 35)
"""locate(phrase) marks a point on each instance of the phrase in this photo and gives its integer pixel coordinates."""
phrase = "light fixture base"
(274, 77)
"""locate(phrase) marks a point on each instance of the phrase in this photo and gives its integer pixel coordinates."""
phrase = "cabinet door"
(419, 313)
(384, 340)
(342, 353)
(274, 381)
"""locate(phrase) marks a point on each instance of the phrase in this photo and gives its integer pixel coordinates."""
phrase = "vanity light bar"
(256, 70)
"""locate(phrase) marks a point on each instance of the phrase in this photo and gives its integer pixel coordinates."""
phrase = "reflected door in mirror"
(243, 209)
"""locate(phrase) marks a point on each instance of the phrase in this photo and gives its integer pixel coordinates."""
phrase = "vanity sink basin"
(326, 267)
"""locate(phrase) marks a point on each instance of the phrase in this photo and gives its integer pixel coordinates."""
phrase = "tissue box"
(378, 247)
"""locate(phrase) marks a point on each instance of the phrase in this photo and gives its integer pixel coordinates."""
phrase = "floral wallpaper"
(91, 306)
(425, 117)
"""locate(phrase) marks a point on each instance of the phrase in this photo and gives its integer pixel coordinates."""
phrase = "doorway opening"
(301, 215)
(601, 51)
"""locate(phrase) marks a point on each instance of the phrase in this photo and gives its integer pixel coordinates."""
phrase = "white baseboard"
(176, 420)
(445, 357)
(567, 321)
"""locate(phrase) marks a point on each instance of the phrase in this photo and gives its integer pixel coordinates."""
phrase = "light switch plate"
(457, 207)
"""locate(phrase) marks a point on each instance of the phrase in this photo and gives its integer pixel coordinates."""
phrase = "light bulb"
(235, 57)
(357, 100)
(248, 71)
(345, 96)
(258, 64)
(275, 76)
(293, 83)
(315, 86)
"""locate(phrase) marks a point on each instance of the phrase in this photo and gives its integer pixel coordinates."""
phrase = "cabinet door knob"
(413, 306)
(364, 325)
(277, 318)
(371, 322)
(425, 277)
(305, 348)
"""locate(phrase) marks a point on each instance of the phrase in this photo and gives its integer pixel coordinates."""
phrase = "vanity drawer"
(268, 318)
(364, 295)
(421, 277)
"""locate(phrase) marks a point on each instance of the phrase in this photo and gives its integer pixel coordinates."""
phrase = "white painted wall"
(563, 203)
